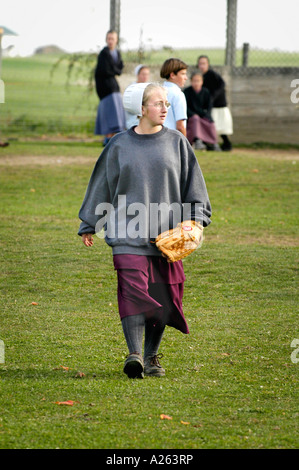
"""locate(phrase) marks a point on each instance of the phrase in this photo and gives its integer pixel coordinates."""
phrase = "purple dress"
(151, 285)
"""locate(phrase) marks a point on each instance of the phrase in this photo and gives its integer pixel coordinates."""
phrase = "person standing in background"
(220, 112)
(111, 115)
(174, 71)
(142, 73)
(201, 130)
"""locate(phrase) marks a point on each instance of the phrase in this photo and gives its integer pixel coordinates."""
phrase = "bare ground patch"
(265, 239)
(42, 160)
(274, 154)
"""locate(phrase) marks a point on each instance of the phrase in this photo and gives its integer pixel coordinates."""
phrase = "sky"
(81, 26)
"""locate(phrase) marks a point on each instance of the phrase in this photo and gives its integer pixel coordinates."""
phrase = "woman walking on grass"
(145, 167)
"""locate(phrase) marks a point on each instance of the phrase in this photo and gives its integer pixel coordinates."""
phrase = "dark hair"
(196, 72)
(142, 67)
(203, 57)
(172, 66)
(111, 31)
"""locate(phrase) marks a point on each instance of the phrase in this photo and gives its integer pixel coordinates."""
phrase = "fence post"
(231, 28)
(245, 54)
(115, 15)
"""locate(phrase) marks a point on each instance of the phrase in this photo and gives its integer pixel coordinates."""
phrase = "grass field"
(37, 103)
(231, 383)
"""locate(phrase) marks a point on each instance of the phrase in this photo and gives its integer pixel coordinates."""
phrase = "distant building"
(51, 49)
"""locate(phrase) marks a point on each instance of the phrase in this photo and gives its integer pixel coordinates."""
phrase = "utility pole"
(231, 33)
(115, 15)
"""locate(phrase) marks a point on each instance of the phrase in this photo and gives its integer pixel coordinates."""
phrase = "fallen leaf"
(34, 303)
(68, 402)
(165, 416)
(61, 367)
(80, 374)
(185, 422)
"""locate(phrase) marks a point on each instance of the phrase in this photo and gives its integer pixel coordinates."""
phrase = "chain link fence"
(262, 64)
(265, 45)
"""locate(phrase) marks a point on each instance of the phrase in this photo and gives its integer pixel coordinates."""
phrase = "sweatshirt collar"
(147, 136)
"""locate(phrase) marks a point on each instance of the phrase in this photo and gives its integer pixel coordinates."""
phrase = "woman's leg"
(133, 328)
(153, 336)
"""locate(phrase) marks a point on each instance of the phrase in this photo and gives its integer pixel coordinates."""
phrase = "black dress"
(111, 117)
(216, 86)
(106, 70)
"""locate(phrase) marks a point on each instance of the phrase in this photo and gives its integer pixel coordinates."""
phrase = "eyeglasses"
(160, 105)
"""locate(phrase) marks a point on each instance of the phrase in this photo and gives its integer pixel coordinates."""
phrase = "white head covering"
(138, 68)
(132, 98)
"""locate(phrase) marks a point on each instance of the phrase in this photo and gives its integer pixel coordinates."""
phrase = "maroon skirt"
(201, 128)
(151, 285)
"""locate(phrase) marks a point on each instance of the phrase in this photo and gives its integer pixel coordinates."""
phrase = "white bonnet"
(132, 98)
(138, 68)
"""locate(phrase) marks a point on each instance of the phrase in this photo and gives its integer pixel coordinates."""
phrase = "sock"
(153, 337)
(133, 327)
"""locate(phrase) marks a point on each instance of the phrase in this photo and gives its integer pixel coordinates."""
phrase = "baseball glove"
(180, 241)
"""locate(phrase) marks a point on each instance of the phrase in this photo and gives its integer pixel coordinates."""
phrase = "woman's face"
(143, 76)
(196, 83)
(111, 40)
(155, 110)
(203, 65)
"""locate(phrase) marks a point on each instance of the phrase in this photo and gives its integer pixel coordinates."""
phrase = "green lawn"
(37, 102)
(231, 383)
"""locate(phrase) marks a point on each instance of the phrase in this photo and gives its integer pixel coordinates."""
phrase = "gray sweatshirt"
(142, 185)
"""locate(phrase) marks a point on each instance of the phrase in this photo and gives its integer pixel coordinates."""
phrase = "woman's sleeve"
(97, 192)
(195, 199)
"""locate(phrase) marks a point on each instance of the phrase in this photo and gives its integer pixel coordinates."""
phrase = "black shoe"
(226, 147)
(134, 366)
(199, 145)
(214, 147)
(153, 367)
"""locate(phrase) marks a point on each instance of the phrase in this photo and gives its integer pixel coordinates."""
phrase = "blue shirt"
(178, 109)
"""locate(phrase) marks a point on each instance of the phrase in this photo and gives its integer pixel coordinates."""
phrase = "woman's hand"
(87, 239)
